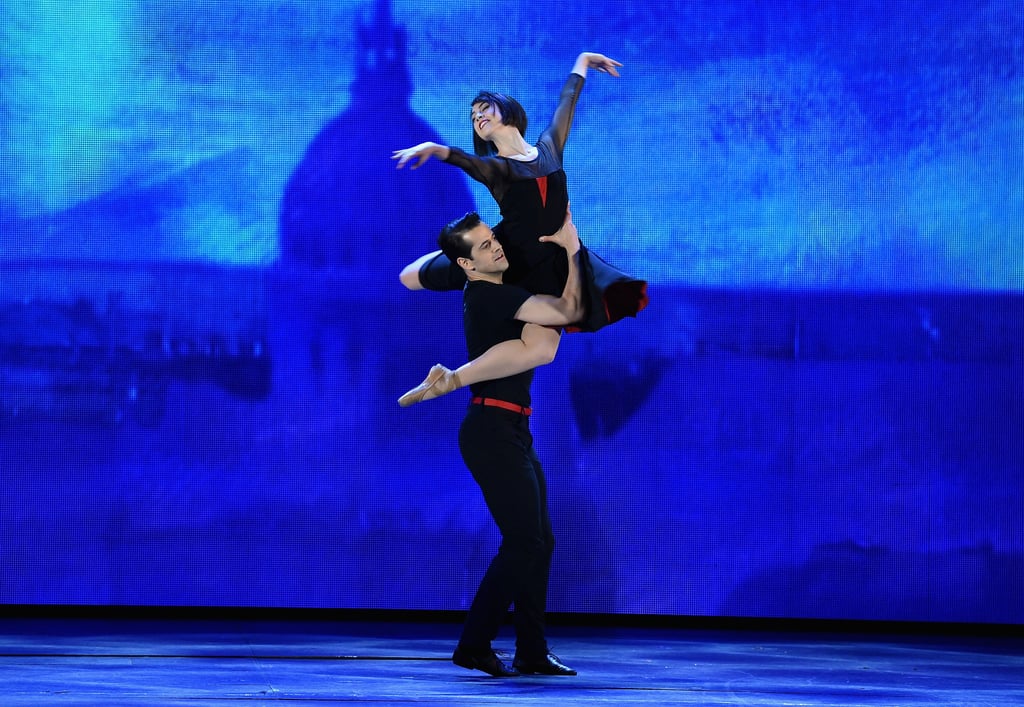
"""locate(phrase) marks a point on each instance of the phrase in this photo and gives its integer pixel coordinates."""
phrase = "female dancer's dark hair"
(511, 114)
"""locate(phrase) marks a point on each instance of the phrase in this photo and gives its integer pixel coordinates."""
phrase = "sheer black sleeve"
(557, 131)
(492, 173)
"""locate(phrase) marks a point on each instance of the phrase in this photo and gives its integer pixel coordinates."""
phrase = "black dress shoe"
(486, 661)
(545, 665)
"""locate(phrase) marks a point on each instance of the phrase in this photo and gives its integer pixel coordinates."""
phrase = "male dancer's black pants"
(497, 447)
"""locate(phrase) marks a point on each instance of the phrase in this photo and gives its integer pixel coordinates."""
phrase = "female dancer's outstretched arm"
(597, 62)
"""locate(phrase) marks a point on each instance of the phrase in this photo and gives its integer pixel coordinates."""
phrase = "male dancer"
(497, 446)
(536, 346)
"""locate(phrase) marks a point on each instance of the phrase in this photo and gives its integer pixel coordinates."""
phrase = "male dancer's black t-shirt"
(489, 318)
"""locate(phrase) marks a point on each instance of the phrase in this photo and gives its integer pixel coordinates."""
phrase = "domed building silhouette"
(346, 334)
(345, 205)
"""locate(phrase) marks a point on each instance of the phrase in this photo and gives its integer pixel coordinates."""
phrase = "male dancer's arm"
(410, 275)
(543, 315)
(435, 272)
(537, 344)
(547, 310)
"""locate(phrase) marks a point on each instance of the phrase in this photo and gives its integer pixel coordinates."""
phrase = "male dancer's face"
(486, 257)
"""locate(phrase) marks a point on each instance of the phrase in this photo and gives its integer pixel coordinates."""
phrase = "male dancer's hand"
(567, 236)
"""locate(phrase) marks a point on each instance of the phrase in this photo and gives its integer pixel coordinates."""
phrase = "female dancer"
(529, 185)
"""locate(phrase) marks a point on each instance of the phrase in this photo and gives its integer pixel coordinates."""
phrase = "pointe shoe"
(439, 381)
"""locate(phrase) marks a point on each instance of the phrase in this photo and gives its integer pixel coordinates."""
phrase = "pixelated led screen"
(203, 335)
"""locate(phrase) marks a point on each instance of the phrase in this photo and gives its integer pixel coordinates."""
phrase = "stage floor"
(122, 662)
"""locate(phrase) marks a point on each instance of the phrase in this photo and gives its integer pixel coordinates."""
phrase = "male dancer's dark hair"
(452, 241)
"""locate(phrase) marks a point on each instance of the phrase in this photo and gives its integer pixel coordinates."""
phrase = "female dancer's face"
(486, 119)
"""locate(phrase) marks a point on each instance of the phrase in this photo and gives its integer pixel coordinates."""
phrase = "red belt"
(491, 402)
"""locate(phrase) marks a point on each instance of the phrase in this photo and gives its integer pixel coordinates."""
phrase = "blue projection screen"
(203, 335)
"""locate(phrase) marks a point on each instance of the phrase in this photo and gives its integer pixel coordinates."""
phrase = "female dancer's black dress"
(533, 199)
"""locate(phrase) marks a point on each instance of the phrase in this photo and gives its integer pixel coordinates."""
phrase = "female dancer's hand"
(421, 153)
(597, 62)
